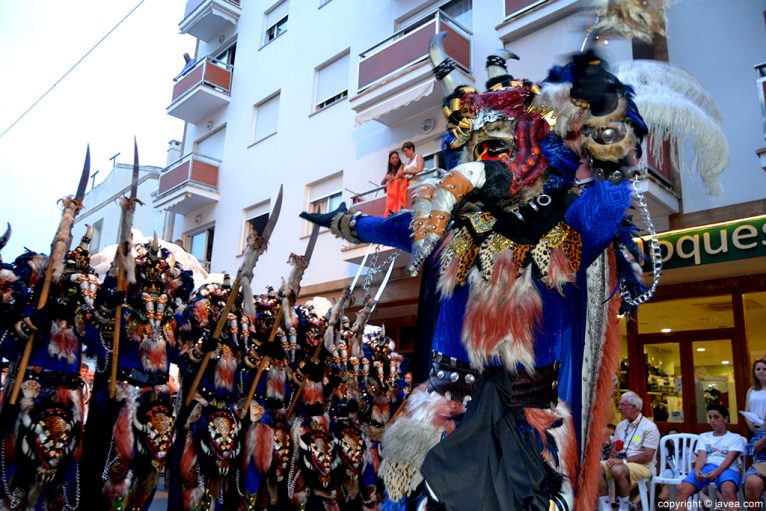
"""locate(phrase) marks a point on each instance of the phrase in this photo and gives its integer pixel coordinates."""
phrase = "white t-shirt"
(757, 402)
(717, 448)
(638, 435)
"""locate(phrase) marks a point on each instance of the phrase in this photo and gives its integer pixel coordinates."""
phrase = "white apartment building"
(313, 94)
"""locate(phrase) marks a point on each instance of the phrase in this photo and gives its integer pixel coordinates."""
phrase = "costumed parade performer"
(530, 263)
(131, 423)
(216, 337)
(50, 316)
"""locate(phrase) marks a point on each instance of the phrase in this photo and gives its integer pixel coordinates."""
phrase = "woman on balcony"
(396, 184)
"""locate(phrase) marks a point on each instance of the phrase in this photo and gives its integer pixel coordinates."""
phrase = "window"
(458, 10)
(201, 246)
(265, 117)
(256, 218)
(323, 196)
(95, 240)
(226, 57)
(276, 21)
(331, 82)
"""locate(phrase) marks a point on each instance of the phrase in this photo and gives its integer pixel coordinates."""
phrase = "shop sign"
(731, 241)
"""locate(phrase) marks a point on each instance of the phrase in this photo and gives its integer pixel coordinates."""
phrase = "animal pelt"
(633, 19)
(263, 450)
(559, 271)
(192, 490)
(275, 383)
(225, 369)
(63, 343)
(153, 353)
(64, 233)
(501, 316)
(407, 441)
(555, 428)
(124, 255)
(604, 275)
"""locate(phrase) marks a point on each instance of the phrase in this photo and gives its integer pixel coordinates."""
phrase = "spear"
(59, 248)
(256, 246)
(124, 264)
(290, 292)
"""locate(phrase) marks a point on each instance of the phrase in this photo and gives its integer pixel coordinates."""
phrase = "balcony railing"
(202, 91)
(207, 19)
(370, 203)
(409, 46)
(188, 184)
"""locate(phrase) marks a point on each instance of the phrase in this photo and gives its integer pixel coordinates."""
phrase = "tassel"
(263, 450)
(224, 371)
(153, 354)
(313, 393)
(275, 385)
(63, 344)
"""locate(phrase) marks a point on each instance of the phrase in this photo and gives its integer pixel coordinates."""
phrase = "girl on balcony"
(396, 184)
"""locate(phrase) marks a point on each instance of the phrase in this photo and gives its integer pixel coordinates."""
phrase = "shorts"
(636, 470)
(727, 475)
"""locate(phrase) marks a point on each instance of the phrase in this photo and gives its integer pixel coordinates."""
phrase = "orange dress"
(396, 195)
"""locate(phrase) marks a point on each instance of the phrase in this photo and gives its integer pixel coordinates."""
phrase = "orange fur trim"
(588, 485)
(313, 393)
(153, 355)
(264, 447)
(123, 432)
(448, 278)
(559, 272)
(541, 420)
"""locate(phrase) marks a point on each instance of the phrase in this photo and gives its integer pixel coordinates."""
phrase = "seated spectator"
(756, 474)
(606, 448)
(717, 459)
(633, 453)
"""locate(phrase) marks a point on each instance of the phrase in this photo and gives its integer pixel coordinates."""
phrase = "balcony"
(188, 184)
(658, 186)
(207, 19)
(397, 71)
(202, 91)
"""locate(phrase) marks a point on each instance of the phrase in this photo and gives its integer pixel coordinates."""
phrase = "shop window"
(698, 313)
(276, 21)
(663, 381)
(331, 82)
(755, 325)
(265, 115)
(714, 378)
(201, 246)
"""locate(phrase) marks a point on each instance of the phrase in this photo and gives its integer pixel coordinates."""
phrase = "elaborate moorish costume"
(516, 237)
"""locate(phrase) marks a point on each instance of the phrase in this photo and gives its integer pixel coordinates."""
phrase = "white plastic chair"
(674, 469)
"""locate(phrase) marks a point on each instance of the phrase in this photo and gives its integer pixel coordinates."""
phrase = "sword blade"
(134, 180)
(383, 283)
(272, 222)
(84, 176)
(312, 243)
(361, 267)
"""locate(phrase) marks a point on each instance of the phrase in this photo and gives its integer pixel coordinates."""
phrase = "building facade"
(313, 94)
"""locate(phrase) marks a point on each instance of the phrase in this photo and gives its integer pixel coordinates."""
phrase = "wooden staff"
(233, 294)
(59, 248)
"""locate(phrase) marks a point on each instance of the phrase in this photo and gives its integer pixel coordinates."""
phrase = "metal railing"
(360, 198)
